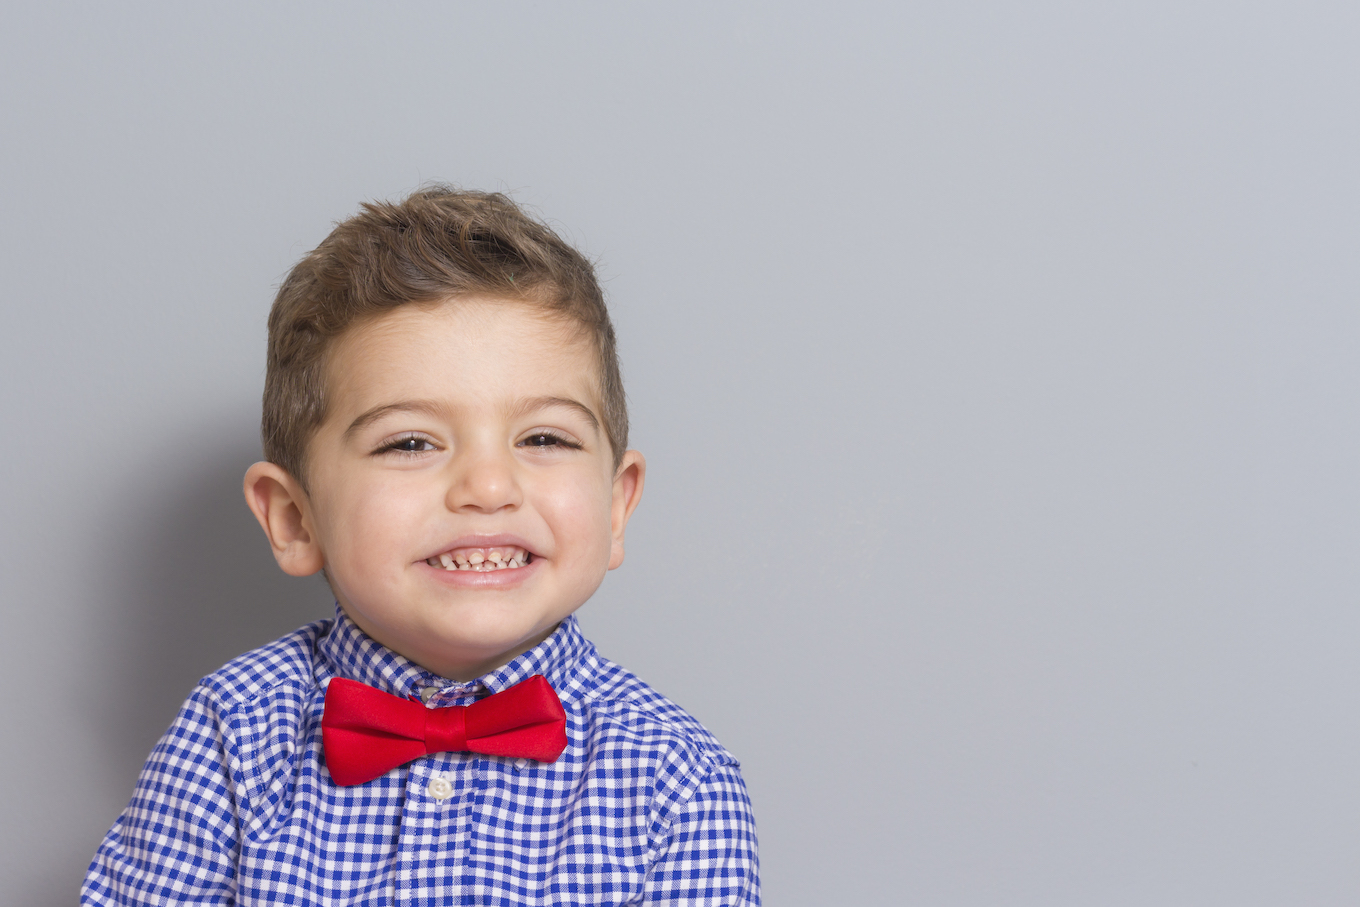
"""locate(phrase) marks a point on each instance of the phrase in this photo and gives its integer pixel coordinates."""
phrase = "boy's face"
(467, 434)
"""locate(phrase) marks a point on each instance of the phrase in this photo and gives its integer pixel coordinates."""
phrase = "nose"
(484, 480)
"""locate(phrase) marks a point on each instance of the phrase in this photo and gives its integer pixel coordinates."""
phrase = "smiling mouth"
(481, 560)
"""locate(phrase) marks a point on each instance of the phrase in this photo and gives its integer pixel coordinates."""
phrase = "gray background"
(995, 366)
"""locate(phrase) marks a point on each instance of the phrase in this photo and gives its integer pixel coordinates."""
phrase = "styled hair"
(440, 243)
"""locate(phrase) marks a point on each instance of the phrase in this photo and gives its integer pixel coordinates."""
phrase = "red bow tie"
(367, 733)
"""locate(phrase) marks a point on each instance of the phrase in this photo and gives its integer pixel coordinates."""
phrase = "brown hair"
(437, 244)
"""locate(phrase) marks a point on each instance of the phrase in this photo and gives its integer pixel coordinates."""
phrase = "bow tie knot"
(446, 729)
(366, 733)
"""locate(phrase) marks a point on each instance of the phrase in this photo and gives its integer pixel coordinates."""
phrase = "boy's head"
(445, 430)
(438, 244)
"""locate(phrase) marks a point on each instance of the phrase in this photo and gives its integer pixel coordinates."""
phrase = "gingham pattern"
(235, 805)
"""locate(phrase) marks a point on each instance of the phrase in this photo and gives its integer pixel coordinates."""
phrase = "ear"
(627, 492)
(282, 508)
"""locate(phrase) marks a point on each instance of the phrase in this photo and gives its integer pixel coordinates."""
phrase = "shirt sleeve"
(178, 840)
(708, 855)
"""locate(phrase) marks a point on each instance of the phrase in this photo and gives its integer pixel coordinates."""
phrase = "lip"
(472, 579)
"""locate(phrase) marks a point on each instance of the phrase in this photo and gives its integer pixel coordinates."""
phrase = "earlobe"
(281, 507)
(628, 481)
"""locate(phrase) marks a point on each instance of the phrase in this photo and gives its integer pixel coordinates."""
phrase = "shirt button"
(441, 788)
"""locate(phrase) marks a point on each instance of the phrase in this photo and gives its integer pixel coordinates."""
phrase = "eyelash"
(557, 439)
(394, 446)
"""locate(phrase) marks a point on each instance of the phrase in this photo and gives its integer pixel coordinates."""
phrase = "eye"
(548, 439)
(407, 444)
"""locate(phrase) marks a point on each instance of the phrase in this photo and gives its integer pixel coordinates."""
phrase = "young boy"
(446, 440)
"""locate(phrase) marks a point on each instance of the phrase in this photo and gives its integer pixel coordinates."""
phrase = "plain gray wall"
(995, 363)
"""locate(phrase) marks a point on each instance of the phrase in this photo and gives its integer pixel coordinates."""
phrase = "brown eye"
(548, 439)
(409, 444)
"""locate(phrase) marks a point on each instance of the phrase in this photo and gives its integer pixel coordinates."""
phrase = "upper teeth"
(481, 559)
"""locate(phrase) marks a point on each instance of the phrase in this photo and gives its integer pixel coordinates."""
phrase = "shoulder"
(253, 713)
(287, 662)
(640, 748)
(628, 712)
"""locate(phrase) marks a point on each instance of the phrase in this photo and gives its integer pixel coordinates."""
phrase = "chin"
(489, 637)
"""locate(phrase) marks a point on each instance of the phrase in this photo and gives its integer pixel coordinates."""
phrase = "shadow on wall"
(196, 586)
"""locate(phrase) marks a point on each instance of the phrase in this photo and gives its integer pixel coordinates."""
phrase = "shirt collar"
(346, 651)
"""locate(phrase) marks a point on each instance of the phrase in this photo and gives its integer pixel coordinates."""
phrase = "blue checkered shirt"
(235, 805)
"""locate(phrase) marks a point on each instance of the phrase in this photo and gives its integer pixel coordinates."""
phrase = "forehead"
(466, 352)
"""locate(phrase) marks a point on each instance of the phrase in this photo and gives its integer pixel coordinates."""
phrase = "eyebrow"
(430, 408)
(368, 417)
(530, 404)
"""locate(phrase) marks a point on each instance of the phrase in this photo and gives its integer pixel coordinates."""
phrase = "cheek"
(578, 513)
(371, 527)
